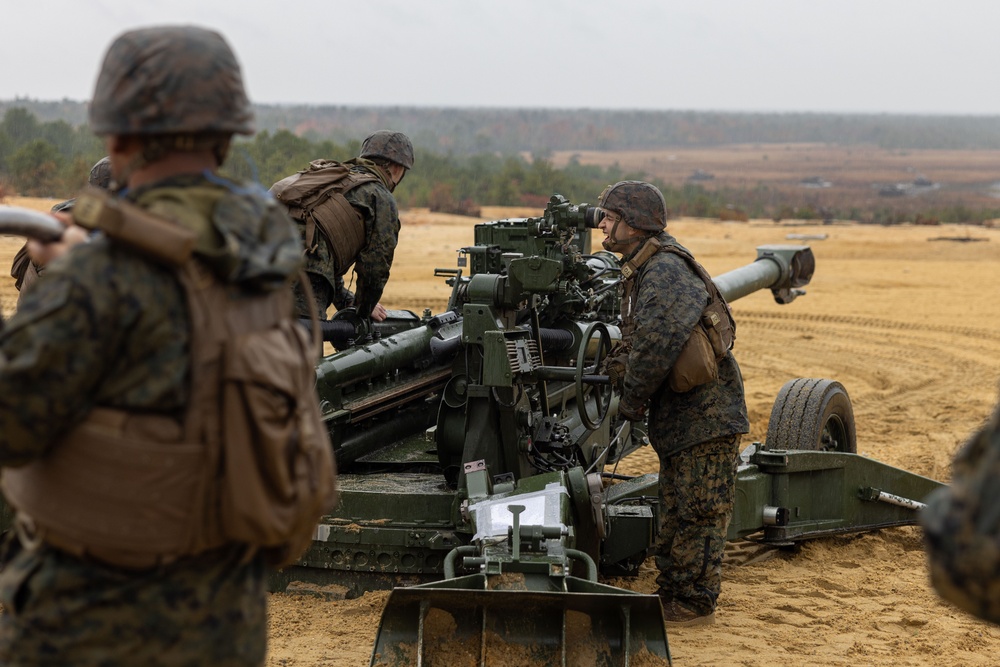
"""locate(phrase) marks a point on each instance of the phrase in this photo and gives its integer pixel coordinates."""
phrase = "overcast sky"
(895, 56)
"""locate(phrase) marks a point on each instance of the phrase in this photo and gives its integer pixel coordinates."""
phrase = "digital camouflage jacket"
(668, 299)
(381, 219)
(104, 326)
(962, 527)
(108, 327)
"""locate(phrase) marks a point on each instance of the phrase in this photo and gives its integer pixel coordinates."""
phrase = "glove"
(632, 414)
(614, 366)
(616, 374)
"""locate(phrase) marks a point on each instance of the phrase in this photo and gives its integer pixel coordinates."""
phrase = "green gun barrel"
(781, 268)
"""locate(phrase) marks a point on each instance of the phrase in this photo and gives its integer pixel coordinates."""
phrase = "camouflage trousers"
(204, 610)
(697, 491)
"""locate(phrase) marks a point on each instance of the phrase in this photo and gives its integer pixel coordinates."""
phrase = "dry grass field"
(853, 173)
(850, 165)
(910, 326)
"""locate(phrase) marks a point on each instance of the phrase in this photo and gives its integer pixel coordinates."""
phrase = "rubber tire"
(814, 415)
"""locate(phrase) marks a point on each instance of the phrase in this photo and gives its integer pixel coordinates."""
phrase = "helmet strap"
(384, 175)
(402, 175)
(613, 243)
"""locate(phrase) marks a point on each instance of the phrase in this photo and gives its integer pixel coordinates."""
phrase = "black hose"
(555, 340)
(340, 333)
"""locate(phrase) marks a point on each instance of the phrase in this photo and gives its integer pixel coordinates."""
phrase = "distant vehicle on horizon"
(892, 190)
(815, 182)
(701, 175)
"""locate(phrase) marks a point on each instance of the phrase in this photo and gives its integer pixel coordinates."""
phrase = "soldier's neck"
(173, 164)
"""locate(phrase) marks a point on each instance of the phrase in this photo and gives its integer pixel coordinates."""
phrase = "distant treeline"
(467, 131)
(449, 183)
(44, 158)
(53, 159)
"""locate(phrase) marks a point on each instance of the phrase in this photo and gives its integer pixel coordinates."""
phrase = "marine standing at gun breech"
(119, 374)
(347, 215)
(675, 363)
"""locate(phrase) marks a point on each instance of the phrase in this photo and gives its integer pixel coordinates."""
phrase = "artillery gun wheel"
(812, 414)
(602, 393)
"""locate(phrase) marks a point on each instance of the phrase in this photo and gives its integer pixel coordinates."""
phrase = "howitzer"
(473, 446)
(513, 305)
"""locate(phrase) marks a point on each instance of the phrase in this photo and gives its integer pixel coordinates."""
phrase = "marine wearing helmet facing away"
(347, 216)
(117, 435)
(691, 395)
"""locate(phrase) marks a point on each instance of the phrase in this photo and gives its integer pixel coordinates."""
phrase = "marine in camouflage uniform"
(962, 527)
(388, 156)
(23, 270)
(696, 434)
(110, 329)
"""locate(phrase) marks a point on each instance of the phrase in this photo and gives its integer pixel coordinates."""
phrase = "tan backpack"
(315, 196)
(251, 463)
(275, 475)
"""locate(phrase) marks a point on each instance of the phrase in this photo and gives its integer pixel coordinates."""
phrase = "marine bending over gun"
(347, 216)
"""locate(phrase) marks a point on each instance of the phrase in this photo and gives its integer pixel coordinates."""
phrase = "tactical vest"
(710, 340)
(250, 463)
(315, 196)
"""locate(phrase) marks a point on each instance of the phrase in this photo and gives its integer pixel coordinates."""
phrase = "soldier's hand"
(616, 375)
(614, 366)
(43, 253)
(379, 313)
(630, 413)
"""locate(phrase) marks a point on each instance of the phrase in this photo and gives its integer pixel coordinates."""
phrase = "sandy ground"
(909, 325)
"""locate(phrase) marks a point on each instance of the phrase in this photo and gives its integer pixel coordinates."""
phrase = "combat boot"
(677, 615)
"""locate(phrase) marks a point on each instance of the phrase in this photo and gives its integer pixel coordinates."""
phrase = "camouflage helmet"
(640, 204)
(170, 80)
(100, 173)
(389, 145)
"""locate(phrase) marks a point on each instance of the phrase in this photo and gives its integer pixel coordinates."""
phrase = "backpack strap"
(648, 249)
(717, 318)
(315, 196)
(157, 238)
(713, 289)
